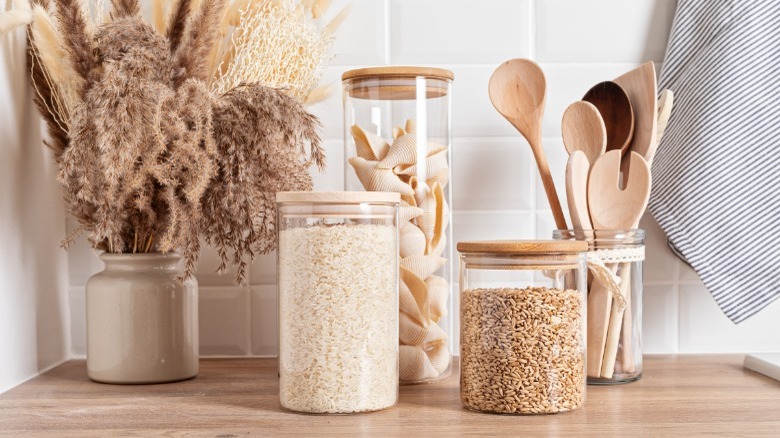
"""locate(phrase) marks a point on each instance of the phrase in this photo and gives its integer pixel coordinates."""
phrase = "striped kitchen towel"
(716, 175)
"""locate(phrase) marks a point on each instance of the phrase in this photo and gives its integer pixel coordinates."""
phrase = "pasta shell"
(441, 214)
(423, 266)
(411, 126)
(414, 364)
(438, 294)
(438, 355)
(369, 145)
(419, 291)
(442, 177)
(410, 331)
(402, 151)
(433, 165)
(397, 132)
(407, 304)
(378, 180)
(412, 240)
(432, 220)
(439, 249)
(408, 212)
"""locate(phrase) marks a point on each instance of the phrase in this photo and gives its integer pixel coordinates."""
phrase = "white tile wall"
(496, 191)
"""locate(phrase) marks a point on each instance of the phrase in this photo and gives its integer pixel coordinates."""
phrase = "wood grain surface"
(678, 396)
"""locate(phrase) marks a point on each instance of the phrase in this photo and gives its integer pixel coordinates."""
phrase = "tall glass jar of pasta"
(397, 139)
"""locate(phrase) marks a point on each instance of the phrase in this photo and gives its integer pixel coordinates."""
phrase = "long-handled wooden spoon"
(583, 130)
(611, 208)
(577, 170)
(615, 108)
(517, 90)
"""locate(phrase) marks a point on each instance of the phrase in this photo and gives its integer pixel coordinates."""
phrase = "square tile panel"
(265, 326)
(705, 329)
(491, 174)
(459, 31)
(224, 321)
(659, 319)
(602, 30)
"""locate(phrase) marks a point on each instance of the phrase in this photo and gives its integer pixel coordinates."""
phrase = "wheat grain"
(522, 350)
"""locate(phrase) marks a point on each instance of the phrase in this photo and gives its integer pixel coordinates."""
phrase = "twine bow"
(597, 263)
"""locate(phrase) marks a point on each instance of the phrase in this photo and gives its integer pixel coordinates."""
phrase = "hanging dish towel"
(716, 175)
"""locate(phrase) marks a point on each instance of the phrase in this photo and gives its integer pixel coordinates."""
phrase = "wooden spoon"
(615, 108)
(584, 130)
(641, 88)
(611, 208)
(577, 170)
(517, 90)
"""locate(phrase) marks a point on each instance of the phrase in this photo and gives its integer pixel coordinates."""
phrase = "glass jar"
(337, 282)
(614, 302)
(522, 326)
(397, 138)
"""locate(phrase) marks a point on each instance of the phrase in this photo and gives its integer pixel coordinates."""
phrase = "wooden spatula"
(641, 87)
(611, 208)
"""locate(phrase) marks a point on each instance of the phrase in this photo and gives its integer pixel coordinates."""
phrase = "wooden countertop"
(678, 396)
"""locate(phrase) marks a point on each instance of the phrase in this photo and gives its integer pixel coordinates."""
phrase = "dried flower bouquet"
(182, 129)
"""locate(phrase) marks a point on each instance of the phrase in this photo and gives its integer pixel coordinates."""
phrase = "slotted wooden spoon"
(517, 89)
(611, 208)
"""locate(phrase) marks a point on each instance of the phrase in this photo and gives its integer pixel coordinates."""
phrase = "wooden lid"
(523, 246)
(396, 83)
(398, 72)
(339, 197)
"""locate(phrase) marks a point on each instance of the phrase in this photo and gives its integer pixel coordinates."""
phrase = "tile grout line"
(532, 29)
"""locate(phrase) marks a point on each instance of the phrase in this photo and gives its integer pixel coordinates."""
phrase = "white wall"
(34, 317)
(578, 43)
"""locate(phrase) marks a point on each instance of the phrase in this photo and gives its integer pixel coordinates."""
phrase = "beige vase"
(142, 324)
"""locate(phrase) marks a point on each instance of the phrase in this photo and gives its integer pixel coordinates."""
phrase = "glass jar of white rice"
(337, 282)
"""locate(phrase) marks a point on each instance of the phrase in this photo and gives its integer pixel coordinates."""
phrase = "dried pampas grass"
(152, 157)
(15, 14)
(200, 38)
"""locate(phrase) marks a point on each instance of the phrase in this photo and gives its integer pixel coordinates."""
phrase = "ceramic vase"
(142, 321)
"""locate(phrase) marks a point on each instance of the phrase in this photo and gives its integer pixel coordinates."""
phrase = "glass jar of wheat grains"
(522, 326)
(338, 301)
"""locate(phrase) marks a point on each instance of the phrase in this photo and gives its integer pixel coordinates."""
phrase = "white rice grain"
(338, 326)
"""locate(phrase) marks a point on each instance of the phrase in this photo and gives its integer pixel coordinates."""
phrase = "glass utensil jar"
(614, 302)
(397, 139)
(522, 326)
(338, 301)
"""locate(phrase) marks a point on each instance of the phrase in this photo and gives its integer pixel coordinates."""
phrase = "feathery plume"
(239, 209)
(73, 27)
(123, 8)
(178, 24)
(15, 15)
(201, 38)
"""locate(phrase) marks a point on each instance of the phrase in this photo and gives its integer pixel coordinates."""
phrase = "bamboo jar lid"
(339, 197)
(523, 247)
(396, 82)
(398, 72)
